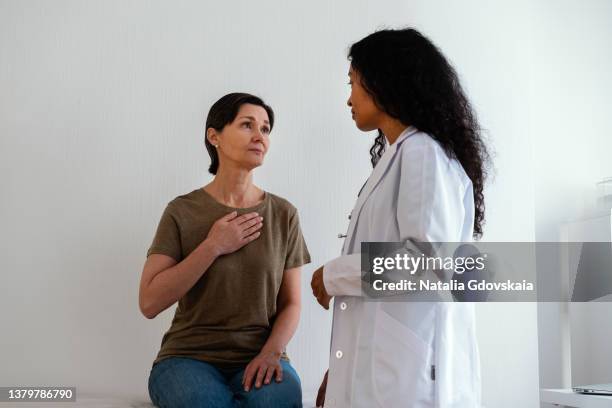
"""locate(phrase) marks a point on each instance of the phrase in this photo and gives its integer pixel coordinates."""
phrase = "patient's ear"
(212, 136)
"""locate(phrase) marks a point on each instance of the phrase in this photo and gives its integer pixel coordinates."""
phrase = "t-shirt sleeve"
(167, 240)
(297, 251)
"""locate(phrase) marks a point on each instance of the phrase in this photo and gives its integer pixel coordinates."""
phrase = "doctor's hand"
(321, 393)
(318, 288)
(261, 369)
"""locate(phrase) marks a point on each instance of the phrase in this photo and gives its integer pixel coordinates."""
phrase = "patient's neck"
(234, 187)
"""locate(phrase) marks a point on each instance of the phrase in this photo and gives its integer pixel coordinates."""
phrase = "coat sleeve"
(430, 200)
(429, 209)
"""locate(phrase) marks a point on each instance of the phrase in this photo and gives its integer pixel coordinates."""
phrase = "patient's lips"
(257, 149)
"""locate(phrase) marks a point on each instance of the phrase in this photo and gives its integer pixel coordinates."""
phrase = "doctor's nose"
(349, 103)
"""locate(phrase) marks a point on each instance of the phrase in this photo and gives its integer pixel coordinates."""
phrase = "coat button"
(343, 306)
(339, 354)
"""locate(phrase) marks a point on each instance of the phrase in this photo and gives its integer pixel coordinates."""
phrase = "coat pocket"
(401, 366)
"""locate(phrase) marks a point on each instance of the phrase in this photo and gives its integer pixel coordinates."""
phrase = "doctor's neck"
(391, 128)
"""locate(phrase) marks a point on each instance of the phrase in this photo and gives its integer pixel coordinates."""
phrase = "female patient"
(230, 254)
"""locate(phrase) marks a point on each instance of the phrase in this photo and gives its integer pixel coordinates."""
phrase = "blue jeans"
(177, 382)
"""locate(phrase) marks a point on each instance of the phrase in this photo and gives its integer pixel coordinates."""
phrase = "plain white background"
(102, 108)
(571, 99)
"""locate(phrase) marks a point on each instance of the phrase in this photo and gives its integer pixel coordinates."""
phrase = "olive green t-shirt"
(227, 316)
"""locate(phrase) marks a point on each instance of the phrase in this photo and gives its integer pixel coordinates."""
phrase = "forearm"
(283, 329)
(167, 287)
(342, 276)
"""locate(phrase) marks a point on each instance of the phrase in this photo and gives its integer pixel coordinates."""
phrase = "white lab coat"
(403, 354)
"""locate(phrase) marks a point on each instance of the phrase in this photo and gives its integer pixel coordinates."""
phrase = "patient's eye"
(265, 130)
(247, 125)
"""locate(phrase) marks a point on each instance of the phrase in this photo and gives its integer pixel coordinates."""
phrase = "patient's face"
(364, 111)
(244, 142)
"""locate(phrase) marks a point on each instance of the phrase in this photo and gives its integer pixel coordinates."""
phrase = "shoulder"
(423, 142)
(281, 205)
(422, 150)
(183, 202)
(422, 147)
(188, 197)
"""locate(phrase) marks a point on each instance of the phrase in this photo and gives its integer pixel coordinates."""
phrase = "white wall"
(571, 98)
(101, 116)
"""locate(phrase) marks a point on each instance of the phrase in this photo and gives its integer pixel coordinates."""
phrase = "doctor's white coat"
(403, 354)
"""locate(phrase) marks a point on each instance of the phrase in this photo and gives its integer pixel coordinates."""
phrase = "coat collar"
(383, 164)
(410, 130)
(377, 174)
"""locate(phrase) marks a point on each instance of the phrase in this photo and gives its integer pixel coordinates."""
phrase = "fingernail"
(246, 389)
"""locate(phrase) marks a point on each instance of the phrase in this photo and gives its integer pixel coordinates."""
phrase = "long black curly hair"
(411, 80)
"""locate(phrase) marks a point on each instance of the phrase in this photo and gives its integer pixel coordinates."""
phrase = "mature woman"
(427, 186)
(230, 254)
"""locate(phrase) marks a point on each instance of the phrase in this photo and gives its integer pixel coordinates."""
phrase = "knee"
(182, 383)
(171, 399)
(284, 394)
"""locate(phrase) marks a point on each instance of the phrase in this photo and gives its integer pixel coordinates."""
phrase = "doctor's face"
(365, 113)
(244, 142)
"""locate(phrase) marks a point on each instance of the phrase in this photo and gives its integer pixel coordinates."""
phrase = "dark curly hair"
(223, 112)
(410, 80)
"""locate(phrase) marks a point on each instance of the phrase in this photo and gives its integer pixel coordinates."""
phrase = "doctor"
(427, 184)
